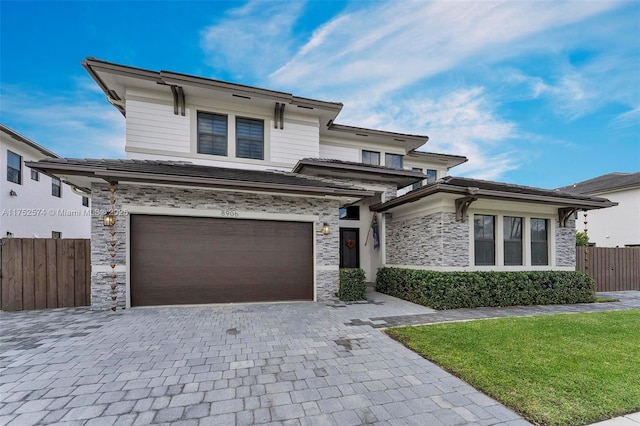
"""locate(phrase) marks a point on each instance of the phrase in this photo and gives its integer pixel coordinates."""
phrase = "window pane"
(512, 240)
(212, 134)
(249, 138)
(431, 175)
(35, 175)
(417, 184)
(371, 157)
(14, 167)
(350, 213)
(56, 190)
(539, 242)
(484, 240)
(393, 160)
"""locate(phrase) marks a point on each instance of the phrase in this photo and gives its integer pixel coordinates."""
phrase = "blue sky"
(534, 93)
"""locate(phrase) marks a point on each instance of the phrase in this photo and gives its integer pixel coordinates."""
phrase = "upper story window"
(539, 242)
(14, 168)
(350, 213)
(419, 183)
(512, 240)
(371, 157)
(484, 239)
(249, 138)
(432, 175)
(56, 187)
(85, 201)
(212, 134)
(35, 175)
(393, 160)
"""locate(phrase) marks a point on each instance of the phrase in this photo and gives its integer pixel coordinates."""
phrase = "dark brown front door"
(189, 260)
(349, 248)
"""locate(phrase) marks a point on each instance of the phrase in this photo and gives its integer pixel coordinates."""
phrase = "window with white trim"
(370, 157)
(539, 241)
(512, 232)
(249, 138)
(212, 134)
(484, 239)
(14, 167)
(393, 160)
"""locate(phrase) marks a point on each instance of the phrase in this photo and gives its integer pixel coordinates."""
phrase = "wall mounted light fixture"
(326, 230)
(109, 219)
(13, 193)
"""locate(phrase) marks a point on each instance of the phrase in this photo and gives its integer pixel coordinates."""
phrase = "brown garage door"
(190, 260)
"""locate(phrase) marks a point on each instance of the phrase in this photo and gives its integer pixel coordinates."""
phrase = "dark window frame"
(14, 175)
(512, 240)
(539, 247)
(250, 139)
(367, 157)
(350, 213)
(219, 140)
(484, 247)
(388, 159)
(35, 175)
(85, 201)
(56, 190)
(432, 175)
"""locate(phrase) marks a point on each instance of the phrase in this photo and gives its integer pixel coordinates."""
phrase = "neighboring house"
(618, 226)
(33, 204)
(232, 193)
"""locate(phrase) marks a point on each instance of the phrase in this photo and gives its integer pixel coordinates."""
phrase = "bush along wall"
(352, 285)
(450, 290)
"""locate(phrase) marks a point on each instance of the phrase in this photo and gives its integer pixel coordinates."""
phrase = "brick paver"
(288, 363)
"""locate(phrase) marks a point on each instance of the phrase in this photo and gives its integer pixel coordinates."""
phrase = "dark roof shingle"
(608, 182)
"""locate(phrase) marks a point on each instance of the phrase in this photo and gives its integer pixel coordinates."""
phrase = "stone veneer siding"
(108, 252)
(566, 244)
(433, 240)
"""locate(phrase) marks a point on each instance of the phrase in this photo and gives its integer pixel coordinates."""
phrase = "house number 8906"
(229, 213)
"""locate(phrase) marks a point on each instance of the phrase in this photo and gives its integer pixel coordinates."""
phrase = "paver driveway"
(289, 363)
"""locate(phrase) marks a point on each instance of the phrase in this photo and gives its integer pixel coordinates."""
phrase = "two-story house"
(232, 193)
(614, 227)
(33, 204)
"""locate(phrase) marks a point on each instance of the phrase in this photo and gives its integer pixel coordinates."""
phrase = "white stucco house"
(232, 193)
(34, 204)
(618, 226)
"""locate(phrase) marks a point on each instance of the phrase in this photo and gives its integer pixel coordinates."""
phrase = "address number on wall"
(229, 213)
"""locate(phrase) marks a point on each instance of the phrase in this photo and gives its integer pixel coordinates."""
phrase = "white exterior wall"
(34, 212)
(617, 226)
(299, 139)
(334, 152)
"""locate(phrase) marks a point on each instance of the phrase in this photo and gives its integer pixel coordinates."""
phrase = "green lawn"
(567, 369)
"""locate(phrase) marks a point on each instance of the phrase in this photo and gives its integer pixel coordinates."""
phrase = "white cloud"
(74, 124)
(252, 39)
(627, 119)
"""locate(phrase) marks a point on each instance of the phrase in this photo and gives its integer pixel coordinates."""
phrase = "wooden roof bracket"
(278, 115)
(178, 100)
(462, 205)
(564, 214)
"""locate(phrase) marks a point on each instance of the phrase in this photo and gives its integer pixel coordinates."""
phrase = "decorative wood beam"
(564, 214)
(462, 205)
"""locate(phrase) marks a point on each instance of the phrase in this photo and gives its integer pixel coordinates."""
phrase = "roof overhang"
(408, 141)
(349, 170)
(18, 137)
(469, 194)
(448, 160)
(80, 175)
(114, 79)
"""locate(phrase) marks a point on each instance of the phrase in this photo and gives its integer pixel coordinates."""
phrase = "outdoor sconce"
(13, 193)
(326, 230)
(9, 234)
(109, 219)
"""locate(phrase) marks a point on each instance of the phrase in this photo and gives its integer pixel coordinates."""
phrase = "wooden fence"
(613, 269)
(39, 273)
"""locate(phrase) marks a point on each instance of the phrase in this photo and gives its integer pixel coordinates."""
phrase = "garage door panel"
(178, 260)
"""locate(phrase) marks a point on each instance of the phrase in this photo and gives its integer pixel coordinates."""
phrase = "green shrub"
(352, 285)
(450, 290)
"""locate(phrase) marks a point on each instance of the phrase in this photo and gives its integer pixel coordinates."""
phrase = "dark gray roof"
(186, 173)
(604, 183)
(496, 190)
(327, 162)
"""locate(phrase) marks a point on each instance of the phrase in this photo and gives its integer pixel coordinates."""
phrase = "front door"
(349, 248)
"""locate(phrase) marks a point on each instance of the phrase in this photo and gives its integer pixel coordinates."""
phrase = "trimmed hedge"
(450, 290)
(352, 285)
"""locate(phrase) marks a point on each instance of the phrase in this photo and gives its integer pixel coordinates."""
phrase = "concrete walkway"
(289, 363)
